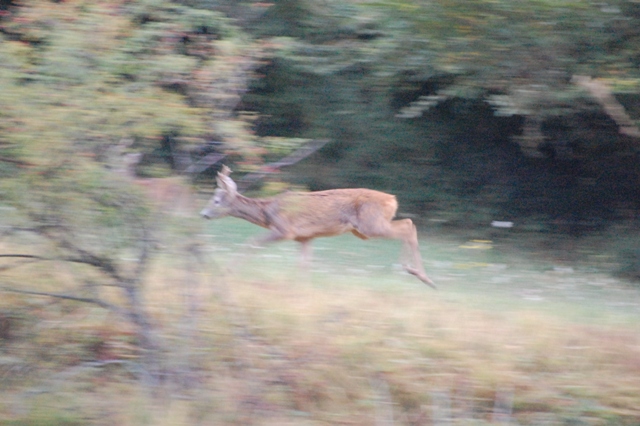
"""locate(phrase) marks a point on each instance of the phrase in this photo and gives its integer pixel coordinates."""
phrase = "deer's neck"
(253, 210)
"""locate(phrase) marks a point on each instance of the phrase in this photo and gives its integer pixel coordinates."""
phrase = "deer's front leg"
(252, 244)
(273, 236)
(305, 254)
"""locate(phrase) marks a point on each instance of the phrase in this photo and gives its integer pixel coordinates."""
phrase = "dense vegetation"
(470, 112)
(483, 104)
(113, 113)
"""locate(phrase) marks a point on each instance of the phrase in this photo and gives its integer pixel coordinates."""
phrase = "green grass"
(357, 341)
(487, 275)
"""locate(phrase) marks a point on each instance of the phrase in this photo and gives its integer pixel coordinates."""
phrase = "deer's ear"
(226, 183)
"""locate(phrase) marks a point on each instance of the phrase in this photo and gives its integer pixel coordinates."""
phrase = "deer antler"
(226, 171)
(225, 182)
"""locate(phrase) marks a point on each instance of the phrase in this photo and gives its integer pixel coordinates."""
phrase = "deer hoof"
(421, 276)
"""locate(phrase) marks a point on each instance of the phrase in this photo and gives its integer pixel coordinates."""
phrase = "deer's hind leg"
(403, 230)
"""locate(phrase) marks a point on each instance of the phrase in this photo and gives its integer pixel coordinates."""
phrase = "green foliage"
(88, 74)
(439, 101)
(520, 57)
(494, 46)
(80, 199)
(83, 81)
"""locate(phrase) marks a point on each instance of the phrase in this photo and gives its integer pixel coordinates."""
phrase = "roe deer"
(303, 216)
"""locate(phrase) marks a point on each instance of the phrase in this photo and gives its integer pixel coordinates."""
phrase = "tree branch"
(298, 155)
(85, 257)
(204, 163)
(29, 259)
(94, 301)
(24, 256)
(17, 162)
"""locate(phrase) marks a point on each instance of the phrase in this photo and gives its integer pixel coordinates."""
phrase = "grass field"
(515, 334)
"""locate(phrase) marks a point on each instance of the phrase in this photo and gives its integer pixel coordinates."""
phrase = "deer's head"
(220, 204)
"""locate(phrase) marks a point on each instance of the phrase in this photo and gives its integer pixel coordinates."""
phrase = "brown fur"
(303, 216)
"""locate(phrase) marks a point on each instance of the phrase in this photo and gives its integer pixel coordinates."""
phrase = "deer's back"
(333, 212)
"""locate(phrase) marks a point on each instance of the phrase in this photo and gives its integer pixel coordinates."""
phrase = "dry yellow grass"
(354, 344)
(335, 352)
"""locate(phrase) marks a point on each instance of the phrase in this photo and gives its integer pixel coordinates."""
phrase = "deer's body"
(303, 216)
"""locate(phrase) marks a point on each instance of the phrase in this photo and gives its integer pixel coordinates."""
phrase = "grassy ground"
(532, 335)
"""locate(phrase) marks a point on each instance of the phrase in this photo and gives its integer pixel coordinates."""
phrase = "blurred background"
(508, 130)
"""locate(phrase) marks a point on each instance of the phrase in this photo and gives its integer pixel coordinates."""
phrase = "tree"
(85, 84)
(477, 102)
(520, 58)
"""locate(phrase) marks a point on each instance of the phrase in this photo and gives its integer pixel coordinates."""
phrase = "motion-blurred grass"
(511, 336)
